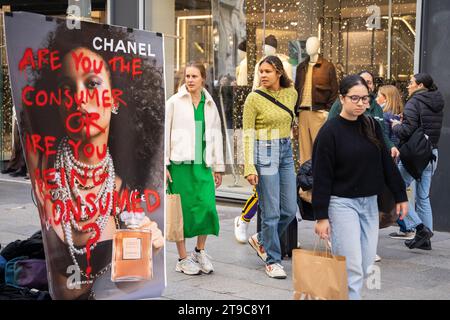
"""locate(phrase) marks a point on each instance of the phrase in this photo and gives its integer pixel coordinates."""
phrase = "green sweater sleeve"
(335, 110)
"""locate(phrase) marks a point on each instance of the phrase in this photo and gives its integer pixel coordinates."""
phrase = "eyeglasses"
(355, 99)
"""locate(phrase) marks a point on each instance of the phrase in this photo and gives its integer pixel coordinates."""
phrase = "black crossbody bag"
(278, 103)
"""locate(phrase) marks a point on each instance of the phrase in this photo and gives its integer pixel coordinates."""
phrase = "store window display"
(241, 69)
(270, 49)
(317, 88)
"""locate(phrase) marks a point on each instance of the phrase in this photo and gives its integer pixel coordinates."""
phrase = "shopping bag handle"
(169, 188)
(327, 248)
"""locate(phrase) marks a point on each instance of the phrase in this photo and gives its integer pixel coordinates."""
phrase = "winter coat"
(430, 104)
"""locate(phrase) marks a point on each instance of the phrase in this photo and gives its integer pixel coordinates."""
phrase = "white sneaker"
(276, 271)
(409, 235)
(240, 229)
(253, 241)
(203, 260)
(188, 266)
(377, 258)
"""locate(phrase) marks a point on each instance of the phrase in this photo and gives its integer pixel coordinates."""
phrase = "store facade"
(374, 35)
(382, 36)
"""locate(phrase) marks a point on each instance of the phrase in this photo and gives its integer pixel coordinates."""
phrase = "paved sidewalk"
(239, 273)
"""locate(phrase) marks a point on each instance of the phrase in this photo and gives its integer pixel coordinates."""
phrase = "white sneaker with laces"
(188, 266)
(203, 260)
(276, 271)
(240, 229)
(253, 241)
(377, 258)
(402, 235)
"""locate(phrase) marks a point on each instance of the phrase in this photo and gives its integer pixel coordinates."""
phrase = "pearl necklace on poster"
(104, 198)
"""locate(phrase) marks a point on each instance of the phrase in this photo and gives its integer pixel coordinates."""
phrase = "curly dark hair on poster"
(136, 138)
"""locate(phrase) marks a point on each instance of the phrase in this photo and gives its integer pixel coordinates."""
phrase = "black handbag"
(417, 152)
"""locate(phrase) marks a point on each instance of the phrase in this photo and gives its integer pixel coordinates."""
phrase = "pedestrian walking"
(269, 163)
(390, 101)
(424, 109)
(351, 165)
(194, 160)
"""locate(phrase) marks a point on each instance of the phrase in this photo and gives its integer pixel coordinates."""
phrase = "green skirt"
(195, 185)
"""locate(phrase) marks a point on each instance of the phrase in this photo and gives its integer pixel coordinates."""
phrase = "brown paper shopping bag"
(174, 218)
(319, 275)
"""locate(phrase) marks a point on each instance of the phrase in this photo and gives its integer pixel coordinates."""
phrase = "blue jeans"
(420, 212)
(354, 235)
(277, 192)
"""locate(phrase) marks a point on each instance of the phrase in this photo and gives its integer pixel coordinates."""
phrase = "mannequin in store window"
(241, 69)
(317, 88)
(270, 49)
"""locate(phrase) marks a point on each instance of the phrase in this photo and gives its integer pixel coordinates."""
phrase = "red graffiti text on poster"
(44, 57)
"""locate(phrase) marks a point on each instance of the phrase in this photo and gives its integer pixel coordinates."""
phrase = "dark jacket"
(430, 104)
(324, 83)
(388, 116)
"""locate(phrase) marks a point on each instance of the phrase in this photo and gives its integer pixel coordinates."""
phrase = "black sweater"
(346, 164)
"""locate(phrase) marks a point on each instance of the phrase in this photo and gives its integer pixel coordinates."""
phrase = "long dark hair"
(136, 132)
(426, 80)
(367, 124)
(275, 62)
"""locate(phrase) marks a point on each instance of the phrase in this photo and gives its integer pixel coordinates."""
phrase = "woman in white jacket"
(194, 160)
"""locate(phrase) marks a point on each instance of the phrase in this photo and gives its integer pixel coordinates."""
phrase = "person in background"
(16, 166)
(347, 179)
(373, 110)
(424, 108)
(390, 100)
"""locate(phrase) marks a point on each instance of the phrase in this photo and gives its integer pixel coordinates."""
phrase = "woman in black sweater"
(351, 164)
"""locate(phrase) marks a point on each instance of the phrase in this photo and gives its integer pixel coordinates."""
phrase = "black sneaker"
(421, 240)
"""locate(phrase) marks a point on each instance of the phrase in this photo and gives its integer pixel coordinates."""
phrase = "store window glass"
(231, 36)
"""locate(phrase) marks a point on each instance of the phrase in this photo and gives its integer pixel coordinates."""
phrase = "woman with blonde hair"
(194, 160)
(390, 100)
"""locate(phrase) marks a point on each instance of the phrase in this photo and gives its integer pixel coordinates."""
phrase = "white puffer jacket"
(180, 130)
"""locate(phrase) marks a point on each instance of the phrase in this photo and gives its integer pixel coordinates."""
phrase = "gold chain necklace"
(277, 95)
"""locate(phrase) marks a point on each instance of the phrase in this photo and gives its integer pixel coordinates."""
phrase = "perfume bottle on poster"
(132, 250)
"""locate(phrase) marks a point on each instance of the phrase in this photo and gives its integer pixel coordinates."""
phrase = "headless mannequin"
(314, 104)
(241, 70)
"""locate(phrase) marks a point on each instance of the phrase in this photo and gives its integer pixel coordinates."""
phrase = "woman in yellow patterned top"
(269, 164)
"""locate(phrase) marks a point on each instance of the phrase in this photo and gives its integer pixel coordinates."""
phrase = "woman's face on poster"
(83, 77)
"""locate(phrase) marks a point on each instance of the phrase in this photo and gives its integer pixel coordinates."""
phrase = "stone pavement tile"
(392, 293)
(257, 275)
(264, 293)
(395, 251)
(441, 292)
(178, 287)
(444, 244)
(432, 259)
(227, 250)
(203, 294)
(245, 289)
(421, 280)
